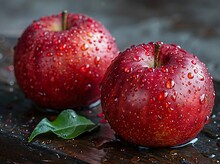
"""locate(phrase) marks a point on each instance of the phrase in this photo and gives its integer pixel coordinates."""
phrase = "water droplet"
(127, 69)
(135, 76)
(213, 94)
(122, 149)
(170, 83)
(109, 47)
(173, 97)
(162, 96)
(84, 47)
(84, 68)
(88, 86)
(190, 75)
(135, 159)
(170, 109)
(97, 60)
(89, 34)
(201, 77)
(159, 117)
(196, 70)
(179, 60)
(174, 152)
(202, 99)
(164, 69)
(150, 69)
(193, 62)
(207, 119)
(49, 54)
(62, 47)
(137, 58)
(208, 155)
(210, 133)
(211, 156)
(188, 143)
(152, 100)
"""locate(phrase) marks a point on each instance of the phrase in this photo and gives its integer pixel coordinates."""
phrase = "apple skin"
(61, 69)
(161, 106)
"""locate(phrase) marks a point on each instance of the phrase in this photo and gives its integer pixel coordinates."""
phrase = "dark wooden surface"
(194, 25)
(18, 117)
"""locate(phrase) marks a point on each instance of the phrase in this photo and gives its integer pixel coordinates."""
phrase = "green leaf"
(67, 125)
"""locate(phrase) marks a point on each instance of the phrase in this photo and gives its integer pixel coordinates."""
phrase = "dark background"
(194, 25)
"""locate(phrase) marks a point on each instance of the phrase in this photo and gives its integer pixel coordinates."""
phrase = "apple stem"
(156, 55)
(64, 20)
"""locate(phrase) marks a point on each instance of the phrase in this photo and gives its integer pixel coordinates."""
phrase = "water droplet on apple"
(49, 54)
(97, 60)
(179, 60)
(84, 47)
(193, 62)
(213, 94)
(162, 96)
(207, 120)
(196, 70)
(109, 47)
(127, 69)
(183, 66)
(170, 109)
(202, 99)
(84, 68)
(159, 117)
(190, 75)
(137, 58)
(170, 84)
(88, 86)
(150, 69)
(164, 69)
(201, 77)
(152, 100)
(173, 97)
(135, 76)
(89, 34)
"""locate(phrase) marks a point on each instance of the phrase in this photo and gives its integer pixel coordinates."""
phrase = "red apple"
(60, 60)
(157, 95)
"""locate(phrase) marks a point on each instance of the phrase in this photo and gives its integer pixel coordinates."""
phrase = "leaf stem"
(64, 19)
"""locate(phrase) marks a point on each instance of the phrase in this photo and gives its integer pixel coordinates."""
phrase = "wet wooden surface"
(18, 117)
(193, 25)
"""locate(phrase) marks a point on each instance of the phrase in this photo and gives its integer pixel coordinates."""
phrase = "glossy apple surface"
(157, 101)
(62, 68)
